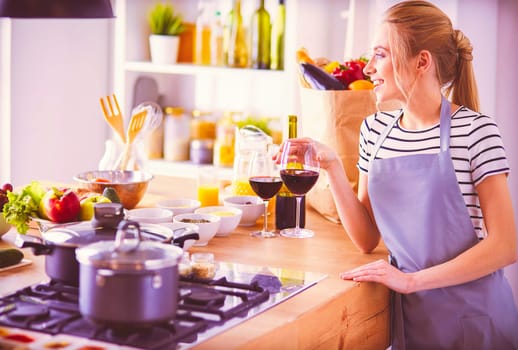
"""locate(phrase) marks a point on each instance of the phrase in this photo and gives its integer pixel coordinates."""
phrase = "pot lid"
(84, 233)
(129, 254)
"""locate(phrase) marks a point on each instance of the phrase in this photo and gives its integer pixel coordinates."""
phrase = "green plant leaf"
(163, 20)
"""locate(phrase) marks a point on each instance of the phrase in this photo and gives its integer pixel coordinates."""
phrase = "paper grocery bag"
(334, 117)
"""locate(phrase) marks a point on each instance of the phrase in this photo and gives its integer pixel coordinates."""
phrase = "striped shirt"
(476, 149)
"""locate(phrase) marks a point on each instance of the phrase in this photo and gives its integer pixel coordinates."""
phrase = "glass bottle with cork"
(260, 38)
(237, 55)
(285, 201)
(277, 40)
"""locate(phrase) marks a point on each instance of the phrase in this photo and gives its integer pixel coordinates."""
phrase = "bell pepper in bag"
(349, 71)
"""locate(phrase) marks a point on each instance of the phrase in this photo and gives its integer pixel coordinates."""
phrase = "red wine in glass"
(266, 186)
(299, 172)
(299, 181)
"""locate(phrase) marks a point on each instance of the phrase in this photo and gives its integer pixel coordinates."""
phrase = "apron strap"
(383, 136)
(445, 123)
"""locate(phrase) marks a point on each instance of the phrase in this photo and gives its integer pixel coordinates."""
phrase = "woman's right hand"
(325, 154)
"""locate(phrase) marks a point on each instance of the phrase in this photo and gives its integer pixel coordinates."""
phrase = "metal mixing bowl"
(129, 185)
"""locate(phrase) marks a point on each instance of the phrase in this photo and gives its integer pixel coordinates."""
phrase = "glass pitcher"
(249, 140)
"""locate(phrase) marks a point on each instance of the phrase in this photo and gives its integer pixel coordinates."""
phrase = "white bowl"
(179, 206)
(251, 206)
(208, 228)
(230, 217)
(150, 215)
(180, 229)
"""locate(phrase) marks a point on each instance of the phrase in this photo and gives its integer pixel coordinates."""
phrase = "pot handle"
(121, 243)
(180, 241)
(36, 243)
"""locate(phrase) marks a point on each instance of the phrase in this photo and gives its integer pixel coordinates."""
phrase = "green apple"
(87, 206)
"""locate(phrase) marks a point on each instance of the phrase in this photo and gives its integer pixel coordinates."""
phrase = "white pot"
(164, 48)
(4, 226)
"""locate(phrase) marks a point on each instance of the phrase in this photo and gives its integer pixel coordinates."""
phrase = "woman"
(433, 186)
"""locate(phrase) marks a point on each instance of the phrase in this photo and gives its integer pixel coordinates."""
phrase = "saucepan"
(60, 242)
(128, 281)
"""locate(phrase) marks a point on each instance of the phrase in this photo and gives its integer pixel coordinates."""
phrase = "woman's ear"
(424, 60)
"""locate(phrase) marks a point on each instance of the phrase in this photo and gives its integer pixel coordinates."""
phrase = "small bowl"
(180, 229)
(150, 215)
(179, 206)
(129, 185)
(251, 206)
(230, 217)
(208, 228)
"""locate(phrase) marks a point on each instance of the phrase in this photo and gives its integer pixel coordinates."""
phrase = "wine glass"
(299, 172)
(266, 184)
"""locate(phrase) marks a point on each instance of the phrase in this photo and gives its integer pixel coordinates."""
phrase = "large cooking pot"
(128, 282)
(59, 243)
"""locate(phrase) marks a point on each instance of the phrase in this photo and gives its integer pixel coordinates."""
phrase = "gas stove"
(47, 315)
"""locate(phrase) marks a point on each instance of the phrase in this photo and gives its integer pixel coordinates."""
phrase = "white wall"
(507, 103)
(53, 73)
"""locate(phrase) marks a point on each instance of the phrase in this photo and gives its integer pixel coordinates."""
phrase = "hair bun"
(464, 47)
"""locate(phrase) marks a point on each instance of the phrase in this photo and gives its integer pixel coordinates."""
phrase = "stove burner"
(32, 312)
(205, 297)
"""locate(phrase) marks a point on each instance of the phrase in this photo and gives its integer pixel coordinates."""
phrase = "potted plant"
(166, 25)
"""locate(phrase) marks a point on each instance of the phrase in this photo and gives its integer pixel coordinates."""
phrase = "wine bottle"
(237, 55)
(285, 201)
(277, 41)
(260, 38)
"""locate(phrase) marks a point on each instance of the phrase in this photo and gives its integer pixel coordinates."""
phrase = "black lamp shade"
(56, 8)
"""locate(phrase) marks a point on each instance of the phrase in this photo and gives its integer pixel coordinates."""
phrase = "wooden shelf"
(193, 69)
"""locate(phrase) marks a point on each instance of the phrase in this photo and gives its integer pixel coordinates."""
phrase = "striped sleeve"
(486, 149)
(364, 149)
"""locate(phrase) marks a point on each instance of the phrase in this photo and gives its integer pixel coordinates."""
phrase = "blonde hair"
(417, 25)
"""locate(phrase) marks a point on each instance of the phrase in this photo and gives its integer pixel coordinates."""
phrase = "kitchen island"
(333, 314)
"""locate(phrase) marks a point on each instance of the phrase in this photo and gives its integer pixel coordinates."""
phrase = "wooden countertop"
(333, 314)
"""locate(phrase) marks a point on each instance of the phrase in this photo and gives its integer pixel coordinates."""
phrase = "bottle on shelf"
(277, 41)
(216, 43)
(260, 38)
(202, 37)
(237, 55)
(285, 201)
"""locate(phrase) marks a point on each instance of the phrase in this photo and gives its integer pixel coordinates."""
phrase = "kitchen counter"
(333, 314)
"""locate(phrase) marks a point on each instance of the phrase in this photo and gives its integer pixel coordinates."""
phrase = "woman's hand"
(382, 272)
(325, 154)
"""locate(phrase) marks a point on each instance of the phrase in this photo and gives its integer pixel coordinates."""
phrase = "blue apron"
(424, 221)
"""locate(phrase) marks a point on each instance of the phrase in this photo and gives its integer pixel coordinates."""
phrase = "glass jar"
(203, 265)
(202, 151)
(203, 126)
(176, 134)
(184, 266)
(225, 142)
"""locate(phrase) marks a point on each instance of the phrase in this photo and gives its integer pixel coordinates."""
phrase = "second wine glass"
(299, 172)
(265, 184)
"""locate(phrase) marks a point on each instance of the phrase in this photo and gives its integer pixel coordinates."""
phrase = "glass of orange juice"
(208, 186)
